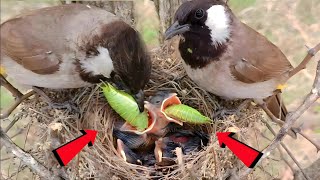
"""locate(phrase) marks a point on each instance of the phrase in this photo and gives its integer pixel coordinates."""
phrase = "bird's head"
(132, 64)
(133, 76)
(202, 18)
(119, 55)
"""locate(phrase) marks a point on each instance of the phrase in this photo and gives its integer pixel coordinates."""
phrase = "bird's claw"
(298, 130)
(312, 52)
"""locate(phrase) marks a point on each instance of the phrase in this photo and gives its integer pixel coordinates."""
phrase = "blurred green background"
(290, 24)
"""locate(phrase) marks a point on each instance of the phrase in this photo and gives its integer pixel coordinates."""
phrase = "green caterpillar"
(126, 107)
(186, 114)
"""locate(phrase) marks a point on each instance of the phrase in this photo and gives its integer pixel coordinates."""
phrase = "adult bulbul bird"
(228, 58)
(72, 46)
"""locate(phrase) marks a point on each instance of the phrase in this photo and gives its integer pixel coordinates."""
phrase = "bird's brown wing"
(245, 72)
(39, 39)
(255, 58)
(251, 71)
(27, 50)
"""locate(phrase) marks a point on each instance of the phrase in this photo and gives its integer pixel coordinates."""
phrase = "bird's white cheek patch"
(218, 22)
(100, 64)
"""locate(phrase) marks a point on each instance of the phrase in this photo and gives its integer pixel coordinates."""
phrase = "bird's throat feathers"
(198, 51)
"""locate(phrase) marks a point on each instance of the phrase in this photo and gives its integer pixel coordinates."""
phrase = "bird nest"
(53, 127)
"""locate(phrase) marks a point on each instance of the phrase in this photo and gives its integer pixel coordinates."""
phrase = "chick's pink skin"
(161, 119)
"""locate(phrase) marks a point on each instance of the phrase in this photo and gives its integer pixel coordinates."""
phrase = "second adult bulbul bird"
(72, 46)
(226, 57)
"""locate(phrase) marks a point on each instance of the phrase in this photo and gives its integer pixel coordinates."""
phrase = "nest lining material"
(54, 127)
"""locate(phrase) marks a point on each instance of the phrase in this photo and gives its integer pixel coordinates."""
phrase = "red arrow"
(67, 152)
(245, 153)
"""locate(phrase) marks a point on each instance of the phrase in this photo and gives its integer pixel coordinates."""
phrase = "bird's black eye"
(199, 13)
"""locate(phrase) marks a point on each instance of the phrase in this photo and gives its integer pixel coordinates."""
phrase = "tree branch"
(312, 52)
(288, 151)
(27, 159)
(298, 130)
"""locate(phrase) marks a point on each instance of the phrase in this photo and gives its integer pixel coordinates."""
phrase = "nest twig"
(26, 157)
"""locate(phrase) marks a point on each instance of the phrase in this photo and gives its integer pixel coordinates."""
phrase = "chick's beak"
(176, 29)
(126, 127)
(127, 154)
(139, 97)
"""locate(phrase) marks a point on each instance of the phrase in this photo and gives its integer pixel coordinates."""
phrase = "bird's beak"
(139, 97)
(170, 100)
(158, 149)
(126, 127)
(127, 154)
(176, 29)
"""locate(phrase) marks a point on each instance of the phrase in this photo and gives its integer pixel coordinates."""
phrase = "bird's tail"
(279, 110)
